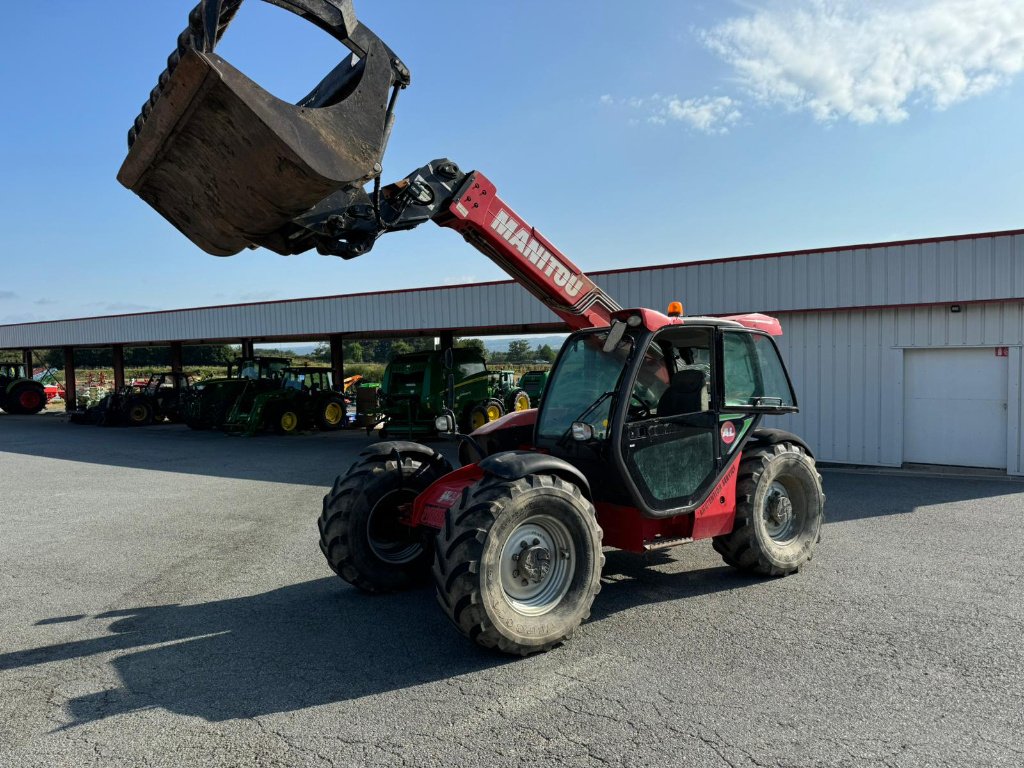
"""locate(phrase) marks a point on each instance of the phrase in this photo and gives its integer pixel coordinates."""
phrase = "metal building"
(903, 352)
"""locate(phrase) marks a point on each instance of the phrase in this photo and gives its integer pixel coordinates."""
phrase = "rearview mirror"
(614, 336)
(450, 393)
(449, 358)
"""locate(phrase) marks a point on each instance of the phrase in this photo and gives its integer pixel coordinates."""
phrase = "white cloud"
(707, 114)
(710, 114)
(872, 61)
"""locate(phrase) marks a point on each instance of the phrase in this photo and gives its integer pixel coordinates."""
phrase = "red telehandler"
(649, 435)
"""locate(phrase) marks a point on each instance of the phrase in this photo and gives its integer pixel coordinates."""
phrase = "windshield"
(584, 375)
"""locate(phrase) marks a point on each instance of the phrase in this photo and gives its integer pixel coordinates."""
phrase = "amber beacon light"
(675, 309)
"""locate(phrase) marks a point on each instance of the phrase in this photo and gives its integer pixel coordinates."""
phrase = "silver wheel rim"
(781, 519)
(390, 550)
(537, 565)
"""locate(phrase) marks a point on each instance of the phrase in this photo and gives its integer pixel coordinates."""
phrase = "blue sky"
(629, 134)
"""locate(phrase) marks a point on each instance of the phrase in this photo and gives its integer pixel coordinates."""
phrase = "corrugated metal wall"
(970, 268)
(847, 367)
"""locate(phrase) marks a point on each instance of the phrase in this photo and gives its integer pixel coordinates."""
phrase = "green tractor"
(19, 394)
(414, 390)
(534, 383)
(138, 405)
(210, 402)
(304, 398)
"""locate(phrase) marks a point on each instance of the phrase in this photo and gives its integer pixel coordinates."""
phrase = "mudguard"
(512, 465)
(773, 436)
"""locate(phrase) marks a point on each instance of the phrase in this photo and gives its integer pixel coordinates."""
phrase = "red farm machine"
(650, 432)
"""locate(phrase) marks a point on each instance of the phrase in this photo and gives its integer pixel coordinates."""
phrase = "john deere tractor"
(413, 392)
(210, 402)
(304, 398)
(138, 405)
(19, 394)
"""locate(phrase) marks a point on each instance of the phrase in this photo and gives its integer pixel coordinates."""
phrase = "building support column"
(176, 363)
(338, 361)
(118, 350)
(70, 398)
(26, 358)
(248, 348)
(447, 340)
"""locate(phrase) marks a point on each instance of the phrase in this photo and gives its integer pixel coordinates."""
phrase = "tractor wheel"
(477, 417)
(286, 421)
(519, 562)
(360, 532)
(779, 512)
(495, 410)
(25, 399)
(138, 413)
(519, 400)
(332, 414)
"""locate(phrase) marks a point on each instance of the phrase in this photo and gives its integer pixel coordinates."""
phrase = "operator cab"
(652, 412)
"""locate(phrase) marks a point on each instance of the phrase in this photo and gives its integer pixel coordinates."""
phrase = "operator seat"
(684, 394)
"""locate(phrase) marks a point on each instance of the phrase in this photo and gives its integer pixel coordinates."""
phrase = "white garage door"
(955, 407)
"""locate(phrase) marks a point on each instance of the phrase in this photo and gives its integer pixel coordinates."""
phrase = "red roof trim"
(673, 265)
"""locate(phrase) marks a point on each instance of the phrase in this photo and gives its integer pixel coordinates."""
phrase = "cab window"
(754, 376)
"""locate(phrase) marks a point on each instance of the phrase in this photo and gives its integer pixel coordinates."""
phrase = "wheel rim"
(477, 419)
(289, 421)
(29, 400)
(537, 565)
(783, 519)
(389, 540)
(493, 412)
(137, 413)
(332, 414)
(522, 403)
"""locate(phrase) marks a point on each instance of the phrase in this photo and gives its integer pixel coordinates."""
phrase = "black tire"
(518, 397)
(477, 417)
(286, 420)
(492, 407)
(138, 413)
(397, 557)
(325, 414)
(479, 540)
(779, 512)
(25, 399)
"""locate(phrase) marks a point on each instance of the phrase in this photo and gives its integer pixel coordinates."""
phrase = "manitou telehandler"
(649, 434)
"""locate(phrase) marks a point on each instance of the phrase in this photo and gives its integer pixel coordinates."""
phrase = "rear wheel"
(332, 414)
(779, 512)
(138, 413)
(518, 563)
(361, 533)
(25, 399)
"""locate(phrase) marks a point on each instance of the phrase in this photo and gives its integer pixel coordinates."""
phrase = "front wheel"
(361, 532)
(518, 563)
(779, 512)
(331, 415)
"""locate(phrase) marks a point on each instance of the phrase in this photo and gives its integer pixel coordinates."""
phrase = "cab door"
(669, 444)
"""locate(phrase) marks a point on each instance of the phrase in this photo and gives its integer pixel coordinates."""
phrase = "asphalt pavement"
(163, 602)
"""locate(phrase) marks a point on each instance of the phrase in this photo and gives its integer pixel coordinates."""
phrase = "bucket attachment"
(229, 164)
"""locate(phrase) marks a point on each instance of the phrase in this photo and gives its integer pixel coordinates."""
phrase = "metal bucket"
(229, 164)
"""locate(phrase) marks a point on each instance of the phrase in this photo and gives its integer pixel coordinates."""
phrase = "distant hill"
(501, 345)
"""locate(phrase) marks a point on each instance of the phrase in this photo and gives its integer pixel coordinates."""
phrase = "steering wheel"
(642, 411)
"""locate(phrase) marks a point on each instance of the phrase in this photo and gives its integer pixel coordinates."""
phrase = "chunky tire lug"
(471, 548)
(779, 512)
(359, 533)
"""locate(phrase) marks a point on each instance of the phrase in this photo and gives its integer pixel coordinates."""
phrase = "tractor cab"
(652, 409)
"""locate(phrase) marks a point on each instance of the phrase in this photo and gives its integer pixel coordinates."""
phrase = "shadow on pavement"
(312, 458)
(309, 644)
